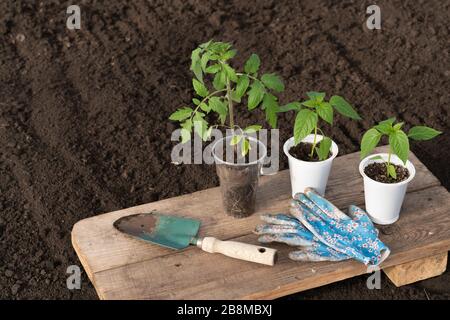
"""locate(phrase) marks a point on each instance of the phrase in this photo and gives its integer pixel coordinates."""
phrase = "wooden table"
(124, 268)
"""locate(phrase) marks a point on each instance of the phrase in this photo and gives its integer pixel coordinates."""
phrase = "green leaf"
(310, 103)
(369, 141)
(325, 111)
(252, 64)
(242, 85)
(214, 57)
(200, 88)
(196, 64)
(235, 140)
(398, 140)
(272, 81)
(196, 101)
(385, 127)
(185, 136)
(204, 61)
(252, 129)
(213, 68)
(377, 158)
(205, 45)
(220, 46)
(205, 107)
(344, 108)
(219, 80)
(398, 126)
(229, 54)
(186, 128)
(245, 147)
(235, 97)
(255, 95)
(389, 121)
(290, 106)
(207, 134)
(317, 96)
(217, 105)
(200, 125)
(324, 148)
(197, 69)
(391, 171)
(305, 121)
(222, 118)
(270, 105)
(423, 133)
(181, 114)
(229, 71)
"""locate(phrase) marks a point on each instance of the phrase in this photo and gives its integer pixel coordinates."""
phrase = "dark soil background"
(83, 113)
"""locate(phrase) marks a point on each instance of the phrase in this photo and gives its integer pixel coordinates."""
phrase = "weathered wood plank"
(100, 247)
(417, 270)
(422, 230)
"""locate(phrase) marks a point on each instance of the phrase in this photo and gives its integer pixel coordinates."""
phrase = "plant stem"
(206, 98)
(230, 104)
(251, 77)
(321, 132)
(388, 161)
(314, 143)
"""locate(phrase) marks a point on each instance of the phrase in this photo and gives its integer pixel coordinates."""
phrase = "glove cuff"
(383, 253)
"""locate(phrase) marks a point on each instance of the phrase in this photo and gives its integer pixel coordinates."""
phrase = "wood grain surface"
(124, 268)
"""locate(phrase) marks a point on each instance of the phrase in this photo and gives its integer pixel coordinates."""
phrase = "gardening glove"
(287, 229)
(354, 236)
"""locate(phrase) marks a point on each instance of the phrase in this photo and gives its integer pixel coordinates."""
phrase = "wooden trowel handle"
(239, 250)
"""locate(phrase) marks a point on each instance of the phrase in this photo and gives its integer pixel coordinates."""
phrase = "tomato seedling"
(308, 114)
(398, 141)
(211, 61)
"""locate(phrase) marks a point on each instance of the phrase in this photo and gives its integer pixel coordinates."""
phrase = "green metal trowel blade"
(164, 230)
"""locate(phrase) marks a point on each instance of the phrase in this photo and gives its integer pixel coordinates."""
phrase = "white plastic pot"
(308, 173)
(384, 200)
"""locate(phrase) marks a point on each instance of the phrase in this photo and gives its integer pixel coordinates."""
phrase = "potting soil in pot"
(238, 175)
(238, 186)
(302, 151)
(377, 171)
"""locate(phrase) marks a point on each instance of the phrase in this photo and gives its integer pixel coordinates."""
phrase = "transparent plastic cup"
(238, 178)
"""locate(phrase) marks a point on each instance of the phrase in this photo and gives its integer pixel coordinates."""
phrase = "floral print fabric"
(324, 232)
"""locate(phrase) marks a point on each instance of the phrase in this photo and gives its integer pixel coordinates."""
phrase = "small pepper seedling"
(211, 61)
(398, 141)
(307, 119)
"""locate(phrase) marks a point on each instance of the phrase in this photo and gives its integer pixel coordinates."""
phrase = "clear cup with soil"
(306, 171)
(383, 194)
(239, 175)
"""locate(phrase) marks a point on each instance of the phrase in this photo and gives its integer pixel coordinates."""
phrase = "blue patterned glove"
(353, 235)
(324, 232)
(287, 229)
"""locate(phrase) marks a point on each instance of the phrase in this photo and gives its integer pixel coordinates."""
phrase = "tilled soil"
(83, 114)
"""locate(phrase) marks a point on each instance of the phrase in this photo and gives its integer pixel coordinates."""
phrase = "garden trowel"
(178, 233)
